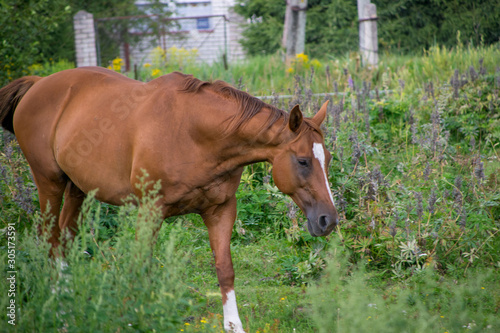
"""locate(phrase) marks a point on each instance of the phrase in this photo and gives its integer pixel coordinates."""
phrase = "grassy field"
(415, 176)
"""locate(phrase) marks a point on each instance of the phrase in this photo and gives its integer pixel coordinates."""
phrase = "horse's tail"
(10, 96)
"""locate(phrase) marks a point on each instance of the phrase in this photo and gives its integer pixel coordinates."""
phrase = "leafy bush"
(348, 299)
(120, 286)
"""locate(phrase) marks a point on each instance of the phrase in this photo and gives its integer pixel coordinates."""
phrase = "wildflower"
(432, 201)
(290, 70)
(457, 193)
(341, 201)
(427, 171)
(147, 65)
(117, 64)
(463, 220)
(413, 126)
(372, 192)
(156, 72)
(302, 57)
(473, 73)
(479, 170)
(350, 82)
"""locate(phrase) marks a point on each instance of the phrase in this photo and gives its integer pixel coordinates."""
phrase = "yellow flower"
(303, 57)
(203, 320)
(290, 70)
(147, 65)
(156, 72)
(117, 64)
(187, 324)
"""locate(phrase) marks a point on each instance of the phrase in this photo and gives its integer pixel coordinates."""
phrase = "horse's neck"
(255, 142)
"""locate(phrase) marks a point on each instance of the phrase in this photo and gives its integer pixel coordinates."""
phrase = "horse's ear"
(320, 116)
(295, 119)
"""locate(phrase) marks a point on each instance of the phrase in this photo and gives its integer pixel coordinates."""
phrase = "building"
(207, 30)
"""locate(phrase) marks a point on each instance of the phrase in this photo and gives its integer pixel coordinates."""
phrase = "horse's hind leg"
(73, 199)
(50, 193)
(63, 222)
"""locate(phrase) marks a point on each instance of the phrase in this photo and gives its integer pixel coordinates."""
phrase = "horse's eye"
(303, 162)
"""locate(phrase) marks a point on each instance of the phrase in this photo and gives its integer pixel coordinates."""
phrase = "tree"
(38, 31)
(405, 26)
(414, 25)
(26, 27)
(263, 34)
(330, 26)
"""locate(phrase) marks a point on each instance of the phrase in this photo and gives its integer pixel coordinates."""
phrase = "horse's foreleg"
(219, 221)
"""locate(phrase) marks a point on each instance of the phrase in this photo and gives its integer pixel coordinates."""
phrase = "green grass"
(415, 178)
(262, 75)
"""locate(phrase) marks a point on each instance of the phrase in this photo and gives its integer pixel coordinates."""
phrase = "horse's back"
(82, 120)
(100, 129)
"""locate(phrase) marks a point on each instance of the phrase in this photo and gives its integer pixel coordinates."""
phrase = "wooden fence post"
(294, 33)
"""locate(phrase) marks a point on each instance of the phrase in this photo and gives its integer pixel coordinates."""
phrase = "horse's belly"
(94, 162)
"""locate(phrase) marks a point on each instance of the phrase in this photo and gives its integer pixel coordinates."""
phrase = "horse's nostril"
(323, 222)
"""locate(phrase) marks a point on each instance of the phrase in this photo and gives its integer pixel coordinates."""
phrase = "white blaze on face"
(319, 153)
(232, 322)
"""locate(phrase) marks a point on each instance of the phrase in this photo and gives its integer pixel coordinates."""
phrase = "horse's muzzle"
(322, 225)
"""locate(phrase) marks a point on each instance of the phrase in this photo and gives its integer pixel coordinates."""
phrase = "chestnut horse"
(91, 128)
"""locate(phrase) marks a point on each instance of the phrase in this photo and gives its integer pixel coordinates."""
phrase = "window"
(202, 23)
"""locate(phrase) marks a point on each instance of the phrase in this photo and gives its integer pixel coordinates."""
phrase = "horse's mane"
(249, 105)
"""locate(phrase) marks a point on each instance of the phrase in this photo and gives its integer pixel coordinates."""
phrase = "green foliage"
(403, 26)
(263, 35)
(17, 188)
(120, 286)
(35, 32)
(408, 26)
(348, 299)
(331, 27)
(26, 28)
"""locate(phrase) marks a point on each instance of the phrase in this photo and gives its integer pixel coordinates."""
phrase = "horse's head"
(300, 169)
